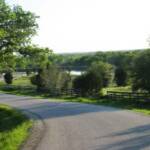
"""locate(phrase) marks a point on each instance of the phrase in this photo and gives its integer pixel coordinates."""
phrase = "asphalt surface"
(75, 126)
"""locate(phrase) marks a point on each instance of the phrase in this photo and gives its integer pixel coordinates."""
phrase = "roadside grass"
(117, 89)
(14, 128)
(136, 106)
(120, 88)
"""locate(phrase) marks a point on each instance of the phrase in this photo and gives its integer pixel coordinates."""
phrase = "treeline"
(116, 58)
(128, 67)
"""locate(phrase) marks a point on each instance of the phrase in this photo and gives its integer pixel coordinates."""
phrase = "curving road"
(75, 126)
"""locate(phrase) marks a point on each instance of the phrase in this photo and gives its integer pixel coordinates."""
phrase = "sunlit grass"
(14, 128)
(25, 81)
(21, 81)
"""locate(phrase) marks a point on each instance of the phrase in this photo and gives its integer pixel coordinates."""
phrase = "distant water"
(76, 73)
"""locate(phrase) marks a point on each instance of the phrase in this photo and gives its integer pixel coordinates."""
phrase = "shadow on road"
(54, 110)
(139, 139)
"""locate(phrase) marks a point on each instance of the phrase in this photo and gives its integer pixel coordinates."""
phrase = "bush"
(51, 78)
(8, 77)
(88, 83)
(97, 76)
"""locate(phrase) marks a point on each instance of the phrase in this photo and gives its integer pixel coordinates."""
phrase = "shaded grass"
(14, 127)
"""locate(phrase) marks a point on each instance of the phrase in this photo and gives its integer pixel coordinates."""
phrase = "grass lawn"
(24, 81)
(14, 128)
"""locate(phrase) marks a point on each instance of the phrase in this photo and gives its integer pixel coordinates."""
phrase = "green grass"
(14, 128)
(22, 81)
(117, 89)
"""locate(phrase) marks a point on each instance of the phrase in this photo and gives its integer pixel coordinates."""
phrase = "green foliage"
(34, 56)
(141, 71)
(104, 70)
(116, 58)
(51, 78)
(120, 76)
(8, 77)
(88, 83)
(97, 76)
(16, 29)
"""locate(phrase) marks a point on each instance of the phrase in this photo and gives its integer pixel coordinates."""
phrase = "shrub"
(8, 77)
(88, 83)
(97, 76)
(50, 78)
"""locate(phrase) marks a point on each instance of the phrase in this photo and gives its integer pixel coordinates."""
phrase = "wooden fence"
(61, 92)
(128, 95)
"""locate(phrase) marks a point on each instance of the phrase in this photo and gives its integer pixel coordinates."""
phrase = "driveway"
(75, 126)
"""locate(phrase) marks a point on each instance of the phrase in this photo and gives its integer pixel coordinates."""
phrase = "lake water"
(77, 73)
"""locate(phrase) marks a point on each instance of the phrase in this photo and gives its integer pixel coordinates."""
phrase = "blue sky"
(90, 25)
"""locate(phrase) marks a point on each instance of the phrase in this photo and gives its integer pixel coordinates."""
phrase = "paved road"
(74, 126)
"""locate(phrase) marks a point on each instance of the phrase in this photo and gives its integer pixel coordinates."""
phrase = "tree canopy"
(17, 27)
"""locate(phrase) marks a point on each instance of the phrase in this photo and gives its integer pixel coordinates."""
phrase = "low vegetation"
(136, 106)
(14, 128)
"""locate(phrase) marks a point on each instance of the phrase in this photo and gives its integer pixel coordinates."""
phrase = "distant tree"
(120, 76)
(141, 71)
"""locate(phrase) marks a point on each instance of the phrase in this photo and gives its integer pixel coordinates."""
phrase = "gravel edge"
(36, 133)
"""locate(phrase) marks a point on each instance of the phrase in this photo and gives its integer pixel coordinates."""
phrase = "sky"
(68, 26)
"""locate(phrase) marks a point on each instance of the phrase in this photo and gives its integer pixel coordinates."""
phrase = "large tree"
(16, 29)
(34, 57)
